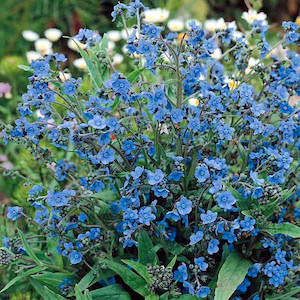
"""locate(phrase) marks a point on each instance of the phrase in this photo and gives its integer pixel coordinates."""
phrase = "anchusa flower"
(130, 162)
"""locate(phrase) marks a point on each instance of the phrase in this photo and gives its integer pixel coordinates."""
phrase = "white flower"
(213, 24)
(176, 25)
(72, 44)
(30, 35)
(43, 46)
(194, 101)
(63, 76)
(114, 35)
(117, 59)
(237, 35)
(252, 15)
(124, 49)
(189, 22)
(124, 33)
(110, 46)
(80, 64)
(217, 54)
(53, 34)
(232, 83)
(156, 15)
(32, 55)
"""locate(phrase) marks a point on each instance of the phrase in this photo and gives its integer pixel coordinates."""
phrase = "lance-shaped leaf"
(231, 275)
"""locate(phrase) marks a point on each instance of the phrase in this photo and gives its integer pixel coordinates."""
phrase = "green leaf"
(231, 275)
(186, 297)
(28, 249)
(139, 268)
(95, 75)
(23, 275)
(25, 68)
(85, 282)
(146, 253)
(112, 292)
(43, 291)
(133, 76)
(53, 279)
(130, 278)
(79, 295)
(152, 297)
(104, 43)
(172, 262)
(283, 228)
(285, 296)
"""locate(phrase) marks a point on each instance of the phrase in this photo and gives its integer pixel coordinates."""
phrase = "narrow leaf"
(283, 228)
(172, 262)
(146, 253)
(130, 278)
(85, 282)
(23, 275)
(112, 292)
(139, 268)
(28, 249)
(44, 292)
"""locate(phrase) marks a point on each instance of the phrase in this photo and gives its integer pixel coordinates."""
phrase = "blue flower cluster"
(205, 177)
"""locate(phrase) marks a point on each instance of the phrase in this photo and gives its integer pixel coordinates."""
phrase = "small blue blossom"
(184, 206)
(75, 257)
(14, 212)
(208, 217)
(225, 200)
(196, 237)
(213, 246)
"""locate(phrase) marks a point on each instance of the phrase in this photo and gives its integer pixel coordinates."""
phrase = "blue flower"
(277, 177)
(156, 177)
(57, 199)
(128, 146)
(88, 37)
(202, 173)
(98, 122)
(146, 215)
(82, 217)
(225, 200)
(35, 190)
(113, 123)
(14, 212)
(184, 206)
(41, 67)
(177, 115)
(181, 273)
(254, 177)
(247, 224)
(75, 257)
(95, 233)
(201, 263)
(244, 285)
(196, 237)
(175, 175)
(213, 246)
(70, 86)
(210, 45)
(225, 131)
(203, 292)
(106, 156)
(137, 173)
(254, 270)
(209, 217)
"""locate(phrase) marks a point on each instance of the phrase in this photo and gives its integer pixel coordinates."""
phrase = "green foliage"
(231, 275)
